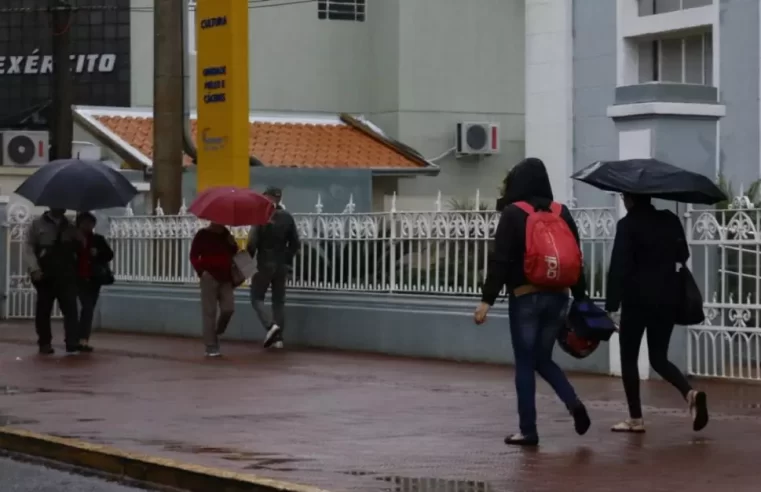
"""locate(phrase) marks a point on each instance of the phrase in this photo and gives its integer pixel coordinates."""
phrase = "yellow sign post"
(222, 135)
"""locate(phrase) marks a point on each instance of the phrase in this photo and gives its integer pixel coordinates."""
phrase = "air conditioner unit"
(474, 138)
(24, 148)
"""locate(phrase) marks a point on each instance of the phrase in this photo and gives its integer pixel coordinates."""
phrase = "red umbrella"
(232, 206)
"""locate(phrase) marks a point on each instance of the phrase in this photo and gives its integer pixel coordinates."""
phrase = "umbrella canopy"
(75, 184)
(653, 178)
(232, 206)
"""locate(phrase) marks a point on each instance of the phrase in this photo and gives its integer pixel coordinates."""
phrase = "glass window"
(650, 7)
(693, 60)
(351, 10)
(648, 67)
(677, 60)
(708, 56)
(671, 60)
(666, 6)
(93, 33)
(646, 7)
(691, 4)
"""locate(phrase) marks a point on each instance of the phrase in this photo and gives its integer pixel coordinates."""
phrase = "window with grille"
(349, 10)
(99, 32)
(687, 60)
(650, 7)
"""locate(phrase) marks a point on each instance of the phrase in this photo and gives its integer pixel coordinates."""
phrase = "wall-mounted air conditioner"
(24, 148)
(477, 138)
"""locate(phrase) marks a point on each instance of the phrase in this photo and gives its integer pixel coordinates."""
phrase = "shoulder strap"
(556, 208)
(526, 207)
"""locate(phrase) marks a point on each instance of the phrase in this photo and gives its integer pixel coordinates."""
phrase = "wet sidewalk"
(356, 422)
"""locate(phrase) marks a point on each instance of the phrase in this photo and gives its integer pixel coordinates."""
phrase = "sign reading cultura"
(36, 64)
(223, 127)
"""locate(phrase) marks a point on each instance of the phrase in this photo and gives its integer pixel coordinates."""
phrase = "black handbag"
(102, 274)
(689, 307)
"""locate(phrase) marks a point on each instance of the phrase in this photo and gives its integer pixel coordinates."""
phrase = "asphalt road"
(24, 477)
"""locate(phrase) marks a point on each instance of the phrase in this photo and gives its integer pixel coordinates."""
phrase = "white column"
(549, 89)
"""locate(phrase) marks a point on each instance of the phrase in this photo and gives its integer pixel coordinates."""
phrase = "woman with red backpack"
(537, 256)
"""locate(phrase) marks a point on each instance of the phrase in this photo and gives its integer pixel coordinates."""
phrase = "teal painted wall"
(417, 326)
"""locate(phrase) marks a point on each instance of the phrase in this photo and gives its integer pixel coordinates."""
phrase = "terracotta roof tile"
(286, 144)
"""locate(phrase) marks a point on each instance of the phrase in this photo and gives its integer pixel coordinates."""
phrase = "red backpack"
(553, 258)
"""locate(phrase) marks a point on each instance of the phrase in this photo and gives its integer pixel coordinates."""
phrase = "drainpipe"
(187, 140)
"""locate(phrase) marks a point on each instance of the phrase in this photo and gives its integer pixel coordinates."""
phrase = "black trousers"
(50, 290)
(659, 328)
(88, 293)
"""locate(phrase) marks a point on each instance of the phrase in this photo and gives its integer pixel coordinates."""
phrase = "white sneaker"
(271, 335)
(213, 353)
(278, 345)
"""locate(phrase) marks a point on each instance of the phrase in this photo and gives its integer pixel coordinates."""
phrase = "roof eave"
(111, 140)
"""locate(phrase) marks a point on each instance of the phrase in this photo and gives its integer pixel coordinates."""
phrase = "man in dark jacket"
(273, 245)
(643, 282)
(536, 314)
(50, 254)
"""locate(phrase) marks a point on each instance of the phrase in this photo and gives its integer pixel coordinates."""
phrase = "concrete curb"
(143, 468)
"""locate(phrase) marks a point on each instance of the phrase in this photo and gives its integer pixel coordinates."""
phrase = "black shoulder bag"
(689, 306)
(102, 274)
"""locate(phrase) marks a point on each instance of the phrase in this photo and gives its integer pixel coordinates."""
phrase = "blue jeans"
(535, 320)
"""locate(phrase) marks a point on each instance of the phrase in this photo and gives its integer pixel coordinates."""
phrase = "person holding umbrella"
(214, 249)
(643, 279)
(211, 254)
(52, 244)
(50, 254)
(643, 282)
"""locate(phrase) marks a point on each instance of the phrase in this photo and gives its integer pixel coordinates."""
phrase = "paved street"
(356, 422)
(24, 477)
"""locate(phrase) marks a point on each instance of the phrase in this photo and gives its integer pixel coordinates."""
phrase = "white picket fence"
(435, 252)
(445, 253)
(438, 252)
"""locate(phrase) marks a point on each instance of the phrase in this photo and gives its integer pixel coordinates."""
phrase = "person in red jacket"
(211, 254)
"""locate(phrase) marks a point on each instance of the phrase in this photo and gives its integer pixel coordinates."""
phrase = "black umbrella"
(75, 184)
(653, 178)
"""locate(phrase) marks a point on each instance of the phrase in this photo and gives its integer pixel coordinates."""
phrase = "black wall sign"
(100, 57)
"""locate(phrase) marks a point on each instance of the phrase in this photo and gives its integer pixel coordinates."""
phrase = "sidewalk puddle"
(406, 484)
(6, 390)
(15, 390)
(417, 484)
(11, 420)
(258, 461)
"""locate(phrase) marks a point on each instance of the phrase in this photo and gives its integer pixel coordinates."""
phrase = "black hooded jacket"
(642, 276)
(527, 182)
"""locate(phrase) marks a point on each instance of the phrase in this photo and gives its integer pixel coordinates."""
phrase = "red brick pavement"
(357, 422)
